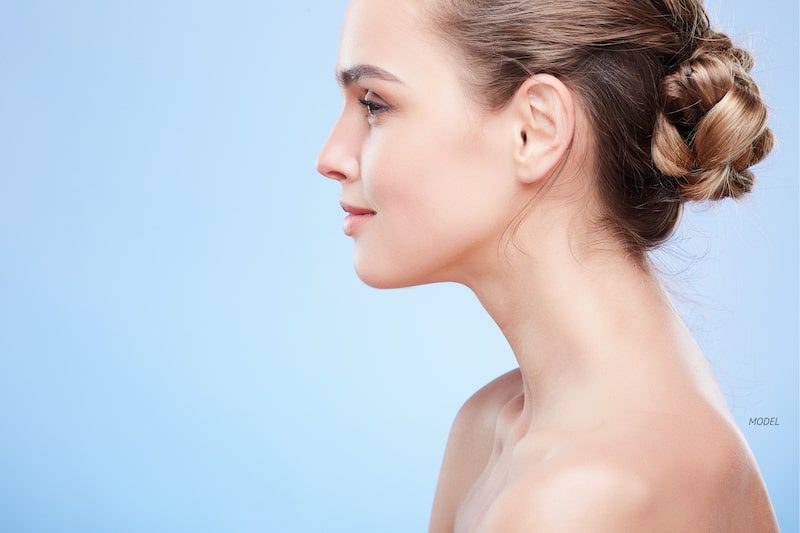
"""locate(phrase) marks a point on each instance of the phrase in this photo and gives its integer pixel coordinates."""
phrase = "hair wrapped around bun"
(712, 125)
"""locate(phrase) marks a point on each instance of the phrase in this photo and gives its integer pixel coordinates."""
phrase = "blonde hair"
(675, 113)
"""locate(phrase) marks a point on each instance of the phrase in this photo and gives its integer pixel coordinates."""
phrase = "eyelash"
(371, 107)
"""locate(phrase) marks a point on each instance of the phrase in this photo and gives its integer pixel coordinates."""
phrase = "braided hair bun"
(712, 123)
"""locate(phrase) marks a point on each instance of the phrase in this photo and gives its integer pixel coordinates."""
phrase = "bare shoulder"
(490, 398)
(655, 475)
(574, 496)
(469, 447)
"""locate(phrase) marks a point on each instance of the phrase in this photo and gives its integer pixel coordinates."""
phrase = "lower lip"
(353, 222)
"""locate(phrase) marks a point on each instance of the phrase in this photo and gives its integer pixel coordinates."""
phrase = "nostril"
(327, 171)
(334, 175)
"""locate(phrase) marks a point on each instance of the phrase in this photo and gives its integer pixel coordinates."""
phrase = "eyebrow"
(347, 76)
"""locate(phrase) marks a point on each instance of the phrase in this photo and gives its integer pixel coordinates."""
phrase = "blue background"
(184, 344)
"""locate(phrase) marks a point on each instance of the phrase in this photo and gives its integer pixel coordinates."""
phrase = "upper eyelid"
(371, 93)
(373, 101)
(361, 92)
(373, 98)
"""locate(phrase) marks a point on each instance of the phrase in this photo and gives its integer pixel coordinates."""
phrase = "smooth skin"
(613, 420)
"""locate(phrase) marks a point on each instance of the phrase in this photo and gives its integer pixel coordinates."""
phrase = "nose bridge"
(338, 157)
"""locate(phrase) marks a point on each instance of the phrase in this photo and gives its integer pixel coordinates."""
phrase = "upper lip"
(355, 209)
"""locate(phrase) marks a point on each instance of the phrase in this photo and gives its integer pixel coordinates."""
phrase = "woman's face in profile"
(434, 170)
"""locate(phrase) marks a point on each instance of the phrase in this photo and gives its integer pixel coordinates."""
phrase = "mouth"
(356, 210)
(354, 221)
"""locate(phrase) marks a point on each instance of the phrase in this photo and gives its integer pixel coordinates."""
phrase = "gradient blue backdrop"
(184, 345)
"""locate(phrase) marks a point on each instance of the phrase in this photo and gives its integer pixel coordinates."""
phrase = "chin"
(382, 278)
(387, 277)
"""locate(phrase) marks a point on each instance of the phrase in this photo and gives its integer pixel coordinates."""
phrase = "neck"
(585, 333)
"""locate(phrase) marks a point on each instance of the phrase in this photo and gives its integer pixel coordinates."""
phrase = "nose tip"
(318, 165)
(337, 159)
(326, 169)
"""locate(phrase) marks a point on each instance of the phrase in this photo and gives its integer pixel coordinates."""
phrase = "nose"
(326, 168)
(333, 163)
(337, 159)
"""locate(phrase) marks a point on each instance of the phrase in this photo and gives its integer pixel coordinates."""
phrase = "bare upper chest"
(512, 456)
(495, 478)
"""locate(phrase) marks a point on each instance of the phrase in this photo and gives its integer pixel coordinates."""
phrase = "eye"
(372, 107)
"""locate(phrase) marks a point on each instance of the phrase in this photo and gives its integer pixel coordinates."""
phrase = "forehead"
(391, 36)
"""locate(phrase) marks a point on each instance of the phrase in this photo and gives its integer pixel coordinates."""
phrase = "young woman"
(536, 151)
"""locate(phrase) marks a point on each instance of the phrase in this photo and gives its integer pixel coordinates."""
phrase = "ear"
(544, 122)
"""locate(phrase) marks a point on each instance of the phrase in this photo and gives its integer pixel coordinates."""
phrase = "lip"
(353, 222)
(356, 210)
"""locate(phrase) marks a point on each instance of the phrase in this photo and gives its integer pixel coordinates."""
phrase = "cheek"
(437, 190)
